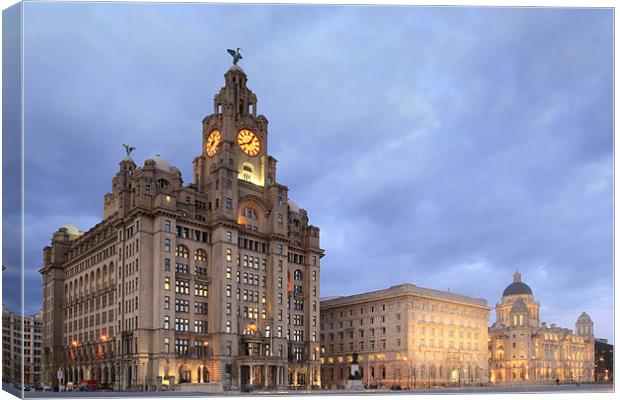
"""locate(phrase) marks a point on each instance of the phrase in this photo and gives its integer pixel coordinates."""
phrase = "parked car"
(88, 385)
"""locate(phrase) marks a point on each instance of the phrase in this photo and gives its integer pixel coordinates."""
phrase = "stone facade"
(21, 334)
(524, 349)
(208, 286)
(405, 336)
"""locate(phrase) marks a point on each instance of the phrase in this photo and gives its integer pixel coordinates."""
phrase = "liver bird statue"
(128, 149)
(236, 55)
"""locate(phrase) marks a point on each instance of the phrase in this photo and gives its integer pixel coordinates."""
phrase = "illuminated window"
(247, 172)
(182, 251)
(201, 255)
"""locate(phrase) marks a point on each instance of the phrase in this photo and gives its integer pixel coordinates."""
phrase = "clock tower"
(216, 283)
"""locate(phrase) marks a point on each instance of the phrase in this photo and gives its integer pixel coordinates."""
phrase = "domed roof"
(293, 206)
(517, 287)
(584, 317)
(72, 230)
(160, 163)
(236, 68)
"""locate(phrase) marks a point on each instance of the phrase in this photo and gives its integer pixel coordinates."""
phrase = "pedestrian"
(557, 381)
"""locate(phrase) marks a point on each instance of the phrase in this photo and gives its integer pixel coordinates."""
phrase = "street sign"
(60, 375)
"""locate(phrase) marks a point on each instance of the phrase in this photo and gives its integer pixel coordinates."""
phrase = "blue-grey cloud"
(440, 146)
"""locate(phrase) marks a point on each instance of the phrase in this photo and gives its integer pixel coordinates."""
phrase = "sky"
(445, 147)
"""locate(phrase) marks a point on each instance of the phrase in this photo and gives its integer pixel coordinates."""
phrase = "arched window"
(182, 251)
(185, 374)
(249, 213)
(202, 374)
(161, 183)
(500, 352)
(201, 255)
(298, 275)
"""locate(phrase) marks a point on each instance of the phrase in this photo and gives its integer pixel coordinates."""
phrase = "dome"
(584, 317)
(72, 230)
(236, 68)
(160, 163)
(517, 287)
(293, 206)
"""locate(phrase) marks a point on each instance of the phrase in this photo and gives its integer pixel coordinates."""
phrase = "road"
(465, 390)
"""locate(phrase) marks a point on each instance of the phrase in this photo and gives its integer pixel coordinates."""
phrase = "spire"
(516, 276)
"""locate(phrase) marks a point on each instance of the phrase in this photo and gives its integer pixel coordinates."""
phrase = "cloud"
(430, 145)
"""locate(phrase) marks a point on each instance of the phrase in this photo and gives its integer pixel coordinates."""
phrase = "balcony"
(202, 278)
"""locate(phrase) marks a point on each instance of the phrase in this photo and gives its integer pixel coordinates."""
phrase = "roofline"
(404, 289)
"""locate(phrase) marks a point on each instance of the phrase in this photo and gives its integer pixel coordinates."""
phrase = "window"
(228, 326)
(201, 290)
(167, 245)
(181, 268)
(280, 218)
(279, 200)
(298, 275)
(228, 202)
(228, 290)
(200, 308)
(228, 255)
(181, 346)
(181, 305)
(166, 345)
(167, 226)
(280, 249)
(166, 322)
(201, 255)
(182, 251)
(166, 264)
(181, 325)
(166, 302)
(166, 283)
(181, 287)
(228, 236)
(200, 326)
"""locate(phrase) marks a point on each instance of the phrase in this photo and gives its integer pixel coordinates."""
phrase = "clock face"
(213, 142)
(248, 142)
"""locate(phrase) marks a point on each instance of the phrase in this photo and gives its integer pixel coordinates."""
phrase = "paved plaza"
(593, 388)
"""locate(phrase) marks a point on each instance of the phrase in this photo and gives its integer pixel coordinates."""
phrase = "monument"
(355, 378)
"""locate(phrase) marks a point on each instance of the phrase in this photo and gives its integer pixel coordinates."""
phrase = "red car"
(88, 385)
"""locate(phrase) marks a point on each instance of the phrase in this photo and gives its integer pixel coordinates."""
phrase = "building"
(524, 349)
(405, 336)
(21, 347)
(209, 286)
(604, 361)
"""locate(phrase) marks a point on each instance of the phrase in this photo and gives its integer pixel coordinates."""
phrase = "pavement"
(568, 388)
